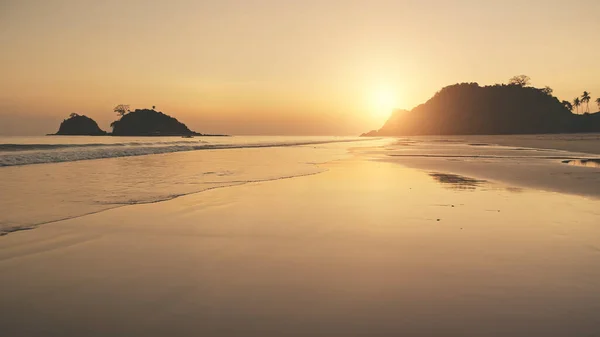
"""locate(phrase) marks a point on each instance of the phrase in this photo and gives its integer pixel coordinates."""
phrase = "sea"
(53, 178)
(311, 236)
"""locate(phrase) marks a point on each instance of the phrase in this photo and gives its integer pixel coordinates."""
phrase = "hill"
(468, 108)
(79, 125)
(146, 122)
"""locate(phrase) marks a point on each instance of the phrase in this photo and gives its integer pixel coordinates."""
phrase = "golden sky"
(279, 66)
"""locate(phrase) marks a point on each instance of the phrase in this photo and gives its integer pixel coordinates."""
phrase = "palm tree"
(585, 98)
(567, 105)
(576, 103)
(598, 102)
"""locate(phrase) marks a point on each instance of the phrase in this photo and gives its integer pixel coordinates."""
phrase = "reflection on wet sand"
(455, 181)
(584, 162)
(522, 166)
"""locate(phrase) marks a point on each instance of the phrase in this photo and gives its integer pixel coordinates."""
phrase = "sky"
(328, 67)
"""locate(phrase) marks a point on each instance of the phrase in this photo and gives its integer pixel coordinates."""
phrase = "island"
(79, 125)
(468, 108)
(140, 122)
(149, 122)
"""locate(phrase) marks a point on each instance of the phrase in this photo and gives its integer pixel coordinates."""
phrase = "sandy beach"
(235, 168)
(364, 247)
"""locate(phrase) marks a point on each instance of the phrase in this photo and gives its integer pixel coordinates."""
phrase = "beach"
(379, 237)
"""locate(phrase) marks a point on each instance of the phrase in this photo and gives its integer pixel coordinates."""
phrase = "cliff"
(79, 125)
(146, 122)
(468, 108)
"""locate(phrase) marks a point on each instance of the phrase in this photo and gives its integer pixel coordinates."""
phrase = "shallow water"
(17, 151)
(42, 193)
(46, 179)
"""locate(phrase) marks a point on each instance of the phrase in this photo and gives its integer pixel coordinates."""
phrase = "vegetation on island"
(140, 122)
(512, 108)
(147, 122)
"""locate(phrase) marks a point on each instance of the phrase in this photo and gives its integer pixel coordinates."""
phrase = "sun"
(383, 101)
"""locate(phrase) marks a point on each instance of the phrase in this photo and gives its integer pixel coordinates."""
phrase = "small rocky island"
(149, 122)
(140, 122)
(79, 125)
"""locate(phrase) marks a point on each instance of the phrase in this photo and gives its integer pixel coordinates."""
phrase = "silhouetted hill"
(587, 122)
(79, 125)
(468, 108)
(146, 122)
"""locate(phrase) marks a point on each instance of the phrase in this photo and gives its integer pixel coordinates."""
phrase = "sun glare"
(383, 102)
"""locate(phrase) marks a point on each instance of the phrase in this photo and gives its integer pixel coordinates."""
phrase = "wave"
(37, 147)
(29, 154)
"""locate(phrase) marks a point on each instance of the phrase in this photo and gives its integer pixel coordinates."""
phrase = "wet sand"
(554, 166)
(551, 176)
(367, 248)
(574, 142)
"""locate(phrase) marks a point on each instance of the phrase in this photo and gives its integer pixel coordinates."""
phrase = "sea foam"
(28, 154)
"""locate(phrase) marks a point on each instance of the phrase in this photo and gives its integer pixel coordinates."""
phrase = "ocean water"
(47, 179)
(17, 151)
(481, 235)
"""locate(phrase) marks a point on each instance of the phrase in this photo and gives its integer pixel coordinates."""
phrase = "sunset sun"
(383, 101)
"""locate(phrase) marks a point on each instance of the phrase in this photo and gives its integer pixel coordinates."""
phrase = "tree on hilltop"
(121, 109)
(520, 80)
(576, 103)
(585, 98)
(547, 90)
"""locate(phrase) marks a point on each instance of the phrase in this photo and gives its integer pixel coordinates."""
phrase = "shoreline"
(540, 173)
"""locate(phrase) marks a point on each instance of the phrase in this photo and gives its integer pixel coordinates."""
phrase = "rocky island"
(468, 108)
(140, 122)
(149, 122)
(79, 125)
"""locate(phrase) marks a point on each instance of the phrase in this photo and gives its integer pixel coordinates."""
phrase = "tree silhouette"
(598, 102)
(576, 103)
(121, 109)
(568, 105)
(547, 90)
(585, 98)
(520, 80)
